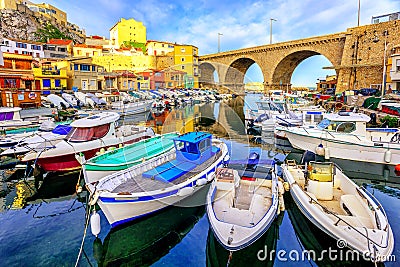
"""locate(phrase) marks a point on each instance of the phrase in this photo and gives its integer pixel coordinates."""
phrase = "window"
(182, 59)
(398, 65)
(76, 66)
(93, 68)
(57, 82)
(183, 67)
(86, 133)
(46, 83)
(37, 55)
(7, 64)
(183, 50)
(85, 67)
(22, 65)
(21, 45)
(10, 83)
(36, 47)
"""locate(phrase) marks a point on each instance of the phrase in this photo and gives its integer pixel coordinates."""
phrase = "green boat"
(128, 156)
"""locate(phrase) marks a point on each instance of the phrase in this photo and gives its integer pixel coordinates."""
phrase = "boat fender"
(286, 186)
(102, 150)
(281, 189)
(201, 182)
(327, 153)
(185, 191)
(281, 206)
(95, 197)
(95, 223)
(397, 170)
(320, 150)
(210, 177)
(388, 156)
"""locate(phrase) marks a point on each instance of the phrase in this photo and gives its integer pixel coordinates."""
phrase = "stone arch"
(237, 70)
(207, 74)
(283, 71)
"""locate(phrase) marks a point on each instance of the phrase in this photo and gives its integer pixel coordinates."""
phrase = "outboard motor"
(373, 118)
(307, 157)
(252, 161)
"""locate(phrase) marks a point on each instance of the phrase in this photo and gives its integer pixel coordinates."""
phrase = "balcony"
(50, 72)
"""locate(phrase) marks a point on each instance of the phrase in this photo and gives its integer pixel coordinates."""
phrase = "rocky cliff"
(23, 26)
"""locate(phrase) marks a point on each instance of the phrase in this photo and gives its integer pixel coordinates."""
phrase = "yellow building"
(186, 59)
(83, 50)
(50, 76)
(48, 11)
(133, 62)
(128, 30)
(157, 48)
(9, 4)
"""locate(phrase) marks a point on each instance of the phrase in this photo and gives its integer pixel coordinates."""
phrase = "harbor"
(56, 214)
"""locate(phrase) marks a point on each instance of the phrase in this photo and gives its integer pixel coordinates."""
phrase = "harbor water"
(43, 221)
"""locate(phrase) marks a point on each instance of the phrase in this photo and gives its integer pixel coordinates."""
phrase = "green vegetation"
(389, 121)
(129, 44)
(50, 32)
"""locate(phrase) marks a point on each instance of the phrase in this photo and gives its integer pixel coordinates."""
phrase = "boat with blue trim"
(128, 156)
(153, 185)
(345, 135)
(241, 209)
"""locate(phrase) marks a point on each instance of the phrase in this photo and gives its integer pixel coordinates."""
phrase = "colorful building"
(58, 48)
(125, 59)
(48, 11)
(186, 59)
(35, 49)
(16, 81)
(84, 50)
(157, 48)
(83, 74)
(174, 79)
(128, 30)
(49, 77)
(324, 84)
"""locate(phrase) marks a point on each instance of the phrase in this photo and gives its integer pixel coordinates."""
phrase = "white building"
(395, 69)
(35, 49)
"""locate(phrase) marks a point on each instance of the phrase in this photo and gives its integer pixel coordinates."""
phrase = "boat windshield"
(337, 126)
(81, 134)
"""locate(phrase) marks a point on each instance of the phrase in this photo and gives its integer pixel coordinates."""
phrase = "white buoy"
(201, 181)
(327, 153)
(185, 191)
(95, 223)
(320, 150)
(388, 156)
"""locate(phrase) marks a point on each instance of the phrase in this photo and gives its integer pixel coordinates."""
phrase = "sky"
(243, 23)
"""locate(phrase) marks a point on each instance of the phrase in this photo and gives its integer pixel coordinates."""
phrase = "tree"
(50, 32)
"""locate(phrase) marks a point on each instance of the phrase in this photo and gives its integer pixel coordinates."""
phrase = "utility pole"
(219, 34)
(359, 5)
(270, 29)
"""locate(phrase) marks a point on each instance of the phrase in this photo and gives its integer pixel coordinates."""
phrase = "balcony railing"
(50, 72)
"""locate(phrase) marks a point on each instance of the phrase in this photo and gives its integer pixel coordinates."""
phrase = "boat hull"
(355, 150)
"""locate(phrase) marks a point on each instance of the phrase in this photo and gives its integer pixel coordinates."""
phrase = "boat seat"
(169, 171)
(354, 206)
(321, 190)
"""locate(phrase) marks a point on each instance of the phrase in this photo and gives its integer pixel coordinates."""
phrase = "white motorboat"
(340, 208)
(38, 140)
(156, 184)
(70, 99)
(239, 209)
(58, 101)
(344, 135)
(87, 136)
(11, 118)
(84, 99)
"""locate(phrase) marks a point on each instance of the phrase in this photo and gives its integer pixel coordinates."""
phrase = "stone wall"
(22, 24)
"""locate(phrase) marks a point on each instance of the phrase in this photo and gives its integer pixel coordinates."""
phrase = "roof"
(348, 116)
(96, 120)
(17, 56)
(193, 137)
(59, 41)
(89, 46)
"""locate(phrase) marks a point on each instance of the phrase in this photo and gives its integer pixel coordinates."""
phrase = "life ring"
(32, 95)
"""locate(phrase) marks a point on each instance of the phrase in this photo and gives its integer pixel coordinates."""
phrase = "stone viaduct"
(356, 55)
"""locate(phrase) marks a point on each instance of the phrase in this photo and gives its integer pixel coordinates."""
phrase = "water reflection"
(146, 241)
(321, 248)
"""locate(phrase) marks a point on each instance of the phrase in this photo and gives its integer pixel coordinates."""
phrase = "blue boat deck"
(169, 171)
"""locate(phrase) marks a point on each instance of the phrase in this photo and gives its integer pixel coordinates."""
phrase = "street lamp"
(219, 34)
(385, 33)
(270, 29)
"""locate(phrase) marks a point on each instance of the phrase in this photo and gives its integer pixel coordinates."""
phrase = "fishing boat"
(345, 135)
(153, 185)
(128, 156)
(337, 206)
(241, 209)
(88, 136)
